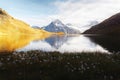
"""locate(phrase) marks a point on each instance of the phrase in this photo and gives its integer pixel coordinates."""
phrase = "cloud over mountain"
(82, 11)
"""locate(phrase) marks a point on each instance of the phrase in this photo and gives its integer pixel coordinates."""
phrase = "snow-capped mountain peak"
(58, 26)
(57, 23)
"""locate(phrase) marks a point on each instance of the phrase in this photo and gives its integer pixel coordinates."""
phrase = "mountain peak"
(58, 26)
(57, 22)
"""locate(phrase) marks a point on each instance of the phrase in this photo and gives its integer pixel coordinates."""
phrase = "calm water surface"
(63, 44)
(79, 43)
(74, 43)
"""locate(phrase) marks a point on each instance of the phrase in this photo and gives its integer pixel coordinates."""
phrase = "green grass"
(37, 65)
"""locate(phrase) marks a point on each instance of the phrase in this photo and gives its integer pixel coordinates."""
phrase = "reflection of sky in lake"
(64, 44)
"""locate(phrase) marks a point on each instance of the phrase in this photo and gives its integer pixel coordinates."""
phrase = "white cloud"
(83, 11)
(79, 12)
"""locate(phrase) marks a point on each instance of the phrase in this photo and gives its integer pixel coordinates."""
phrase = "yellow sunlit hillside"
(12, 26)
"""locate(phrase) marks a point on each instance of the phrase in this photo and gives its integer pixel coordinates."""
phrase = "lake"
(75, 43)
(62, 44)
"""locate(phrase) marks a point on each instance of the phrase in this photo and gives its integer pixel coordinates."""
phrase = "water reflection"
(10, 43)
(111, 43)
(57, 41)
(63, 44)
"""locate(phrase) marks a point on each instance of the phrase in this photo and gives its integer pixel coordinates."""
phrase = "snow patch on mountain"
(58, 26)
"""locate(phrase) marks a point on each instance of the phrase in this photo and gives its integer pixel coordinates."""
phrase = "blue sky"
(77, 12)
(28, 7)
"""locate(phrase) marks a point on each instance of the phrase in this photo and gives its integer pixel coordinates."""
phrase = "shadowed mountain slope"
(110, 26)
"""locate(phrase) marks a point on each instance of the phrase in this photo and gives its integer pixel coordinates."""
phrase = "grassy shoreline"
(39, 65)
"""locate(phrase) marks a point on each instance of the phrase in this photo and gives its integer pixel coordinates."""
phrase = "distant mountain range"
(110, 26)
(88, 26)
(58, 26)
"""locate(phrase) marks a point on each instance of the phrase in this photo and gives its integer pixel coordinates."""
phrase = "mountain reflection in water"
(64, 43)
(110, 43)
(57, 41)
(10, 43)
